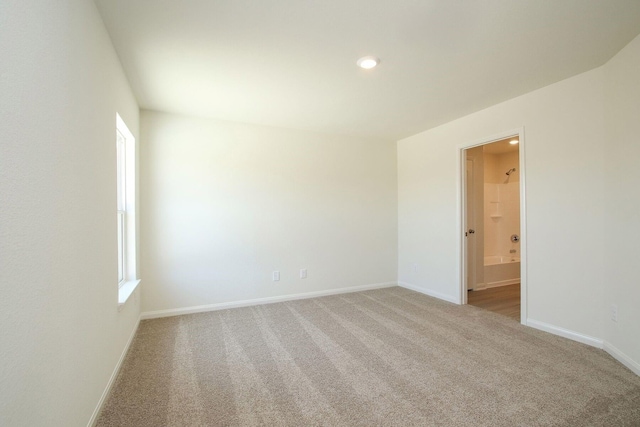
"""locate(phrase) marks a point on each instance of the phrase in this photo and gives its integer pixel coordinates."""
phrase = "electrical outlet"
(415, 267)
(276, 276)
(614, 312)
(303, 273)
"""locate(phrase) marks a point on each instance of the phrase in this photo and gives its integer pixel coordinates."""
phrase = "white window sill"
(125, 291)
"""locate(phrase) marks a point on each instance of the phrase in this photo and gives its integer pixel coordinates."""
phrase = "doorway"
(493, 223)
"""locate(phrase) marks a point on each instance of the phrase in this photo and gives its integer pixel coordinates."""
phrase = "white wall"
(583, 203)
(61, 334)
(622, 201)
(564, 132)
(225, 204)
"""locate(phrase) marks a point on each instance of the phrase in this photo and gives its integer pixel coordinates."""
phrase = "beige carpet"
(383, 357)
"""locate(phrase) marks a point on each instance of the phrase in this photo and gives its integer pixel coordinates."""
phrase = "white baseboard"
(556, 330)
(258, 301)
(622, 358)
(481, 286)
(478, 286)
(114, 375)
(585, 339)
(430, 293)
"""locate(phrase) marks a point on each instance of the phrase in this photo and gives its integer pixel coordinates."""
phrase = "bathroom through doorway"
(492, 217)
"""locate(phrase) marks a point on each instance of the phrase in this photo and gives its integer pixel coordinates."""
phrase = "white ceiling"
(292, 63)
(501, 147)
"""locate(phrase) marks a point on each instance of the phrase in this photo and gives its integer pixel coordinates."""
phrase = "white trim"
(445, 297)
(460, 202)
(566, 333)
(492, 138)
(114, 375)
(125, 291)
(589, 340)
(473, 242)
(524, 307)
(622, 358)
(258, 301)
(130, 218)
(481, 286)
(461, 224)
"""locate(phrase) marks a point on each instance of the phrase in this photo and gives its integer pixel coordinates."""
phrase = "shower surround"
(501, 221)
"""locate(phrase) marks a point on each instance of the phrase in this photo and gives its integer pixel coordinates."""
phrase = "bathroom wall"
(498, 164)
(501, 204)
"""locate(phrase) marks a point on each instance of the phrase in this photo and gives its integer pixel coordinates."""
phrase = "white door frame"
(466, 226)
(462, 244)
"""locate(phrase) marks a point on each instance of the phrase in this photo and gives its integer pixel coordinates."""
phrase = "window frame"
(127, 275)
(121, 209)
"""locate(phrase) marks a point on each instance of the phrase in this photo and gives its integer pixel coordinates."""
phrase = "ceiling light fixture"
(513, 142)
(368, 62)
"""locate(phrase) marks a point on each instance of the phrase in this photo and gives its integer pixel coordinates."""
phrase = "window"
(122, 203)
(126, 210)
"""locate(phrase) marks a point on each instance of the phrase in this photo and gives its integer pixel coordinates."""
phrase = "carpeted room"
(262, 148)
(381, 357)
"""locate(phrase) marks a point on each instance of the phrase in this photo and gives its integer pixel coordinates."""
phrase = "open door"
(473, 217)
(493, 229)
(470, 227)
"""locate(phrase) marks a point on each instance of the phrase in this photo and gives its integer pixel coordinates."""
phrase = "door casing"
(462, 209)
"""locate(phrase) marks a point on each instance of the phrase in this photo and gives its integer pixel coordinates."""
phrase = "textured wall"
(61, 334)
(582, 148)
(564, 133)
(225, 204)
(622, 284)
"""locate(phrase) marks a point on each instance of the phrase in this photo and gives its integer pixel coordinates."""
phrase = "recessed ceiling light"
(368, 62)
(513, 142)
